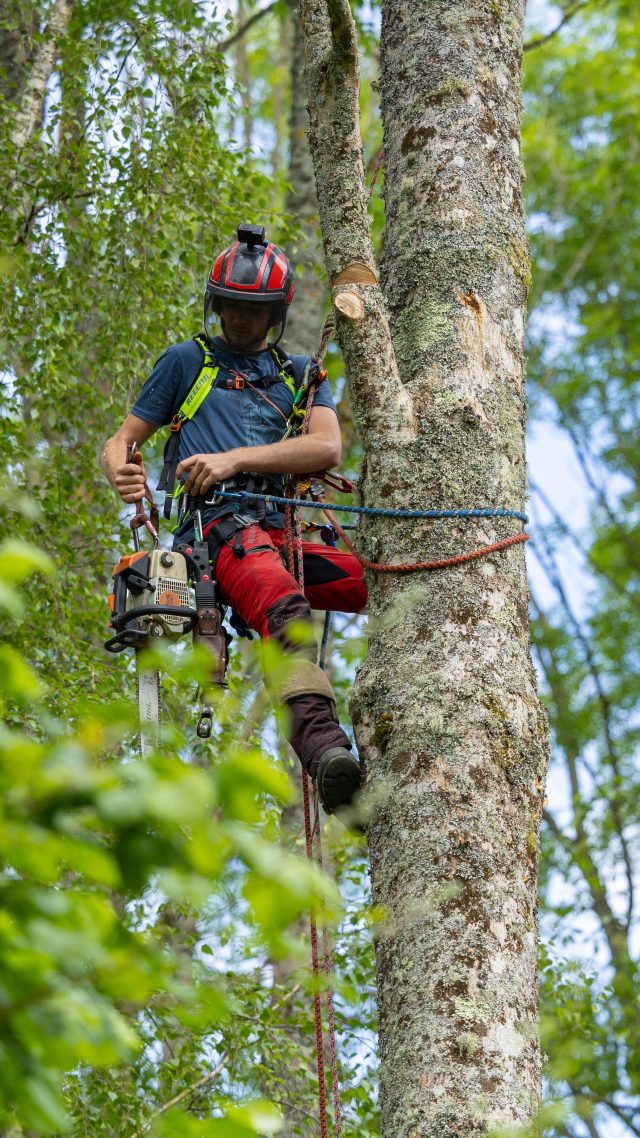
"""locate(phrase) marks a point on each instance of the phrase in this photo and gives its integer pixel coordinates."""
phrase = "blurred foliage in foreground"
(103, 856)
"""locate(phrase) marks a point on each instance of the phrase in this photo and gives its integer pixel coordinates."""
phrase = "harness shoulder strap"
(286, 369)
(192, 401)
(204, 381)
(201, 385)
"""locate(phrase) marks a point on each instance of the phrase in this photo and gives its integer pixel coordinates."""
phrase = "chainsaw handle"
(125, 618)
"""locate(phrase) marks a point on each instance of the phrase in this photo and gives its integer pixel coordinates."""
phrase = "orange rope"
(414, 566)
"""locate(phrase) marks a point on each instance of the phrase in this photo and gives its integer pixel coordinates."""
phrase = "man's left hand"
(203, 470)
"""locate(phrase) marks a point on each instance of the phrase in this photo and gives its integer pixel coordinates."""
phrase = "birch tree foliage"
(114, 207)
(98, 858)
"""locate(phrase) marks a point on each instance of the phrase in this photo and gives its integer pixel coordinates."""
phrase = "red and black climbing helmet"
(251, 269)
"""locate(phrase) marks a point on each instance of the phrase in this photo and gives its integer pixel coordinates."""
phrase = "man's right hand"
(130, 478)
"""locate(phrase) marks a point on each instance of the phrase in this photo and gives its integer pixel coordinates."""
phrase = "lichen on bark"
(445, 707)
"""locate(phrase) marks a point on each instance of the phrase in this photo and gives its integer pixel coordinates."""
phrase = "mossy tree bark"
(307, 311)
(447, 717)
(17, 47)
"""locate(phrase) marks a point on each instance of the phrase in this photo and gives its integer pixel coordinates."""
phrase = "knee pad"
(303, 678)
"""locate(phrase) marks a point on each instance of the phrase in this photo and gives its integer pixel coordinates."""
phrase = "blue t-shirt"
(227, 418)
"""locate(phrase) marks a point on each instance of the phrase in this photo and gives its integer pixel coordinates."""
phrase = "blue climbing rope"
(242, 496)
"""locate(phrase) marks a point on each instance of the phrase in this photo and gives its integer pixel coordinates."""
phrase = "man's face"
(246, 323)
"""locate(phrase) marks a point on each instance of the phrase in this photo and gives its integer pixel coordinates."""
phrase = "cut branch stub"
(346, 295)
(350, 304)
(354, 274)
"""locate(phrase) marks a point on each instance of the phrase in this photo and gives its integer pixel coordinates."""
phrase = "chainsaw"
(164, 593)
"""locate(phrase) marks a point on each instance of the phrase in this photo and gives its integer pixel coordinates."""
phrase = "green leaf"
(18, 560)
(19, 681)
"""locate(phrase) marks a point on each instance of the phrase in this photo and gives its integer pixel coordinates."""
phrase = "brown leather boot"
(338, 779)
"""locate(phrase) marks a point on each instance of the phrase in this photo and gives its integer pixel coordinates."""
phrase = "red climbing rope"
(314, 853)
(295, 564)
(315, 964)
(345, 486)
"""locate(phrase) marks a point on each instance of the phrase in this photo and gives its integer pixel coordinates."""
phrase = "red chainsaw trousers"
(333, 579)
(253, 580)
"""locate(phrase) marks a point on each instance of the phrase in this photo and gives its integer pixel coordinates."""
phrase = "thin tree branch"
(287, 1104)
(563, 839)
(626, 1112)
(567, 532)
(598, 1100)
(553, 573)
(579, 849)
(591, 1127)
(183, 1095)
(224, 45)
(568, 15)
(124, 61)
(601, 496)
(621, 1114)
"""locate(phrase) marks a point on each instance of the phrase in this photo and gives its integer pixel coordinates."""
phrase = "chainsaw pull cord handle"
(150, 521)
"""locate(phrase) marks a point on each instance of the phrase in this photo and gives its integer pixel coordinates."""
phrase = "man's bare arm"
(127, 478)
(320, 449)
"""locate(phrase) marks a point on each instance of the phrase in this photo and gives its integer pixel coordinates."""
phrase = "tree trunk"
(25, 84)
(447, 717)
(307, 311)
(17, 34)
(43, 61)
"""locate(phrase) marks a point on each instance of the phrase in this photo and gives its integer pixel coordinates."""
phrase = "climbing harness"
(166, 593)
(207, 379)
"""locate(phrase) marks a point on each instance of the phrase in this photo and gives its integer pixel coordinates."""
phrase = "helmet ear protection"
(254, 269)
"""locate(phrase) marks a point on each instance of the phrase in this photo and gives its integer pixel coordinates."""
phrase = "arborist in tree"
(230, 398)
